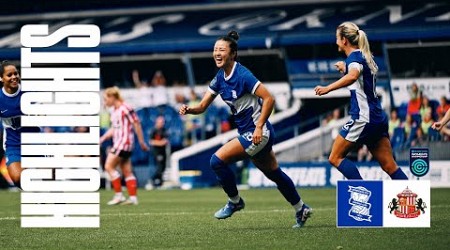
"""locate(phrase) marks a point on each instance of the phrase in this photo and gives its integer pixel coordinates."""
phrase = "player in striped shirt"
(368, 124)
(123, 120)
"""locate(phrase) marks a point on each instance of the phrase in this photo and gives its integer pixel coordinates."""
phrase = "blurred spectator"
(330, 120)
(425, 108)
(364, 154)
(410, 127)
(194, 123)
(159, 141)
(105, 118)
(422, 131)
(394, 122)
(443, 107)
(335, 116)
(415, 100)
(160, 94)
(145, 92)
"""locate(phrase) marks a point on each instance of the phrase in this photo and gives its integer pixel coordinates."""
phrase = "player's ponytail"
(358, 38)
(363, 44)
(114, 92)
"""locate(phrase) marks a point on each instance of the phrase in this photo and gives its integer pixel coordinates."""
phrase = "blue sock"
(224, 175)
(285, 185)
(349, 170)
(399, 175)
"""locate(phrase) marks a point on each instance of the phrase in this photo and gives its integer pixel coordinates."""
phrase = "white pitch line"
(208, 212)
(8, 218)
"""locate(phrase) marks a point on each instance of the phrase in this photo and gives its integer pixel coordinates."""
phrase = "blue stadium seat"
(434, 104)
(434, 135)
(417, 118)
(412, 136)
(402, 111)
(398, 138)
(212, 120)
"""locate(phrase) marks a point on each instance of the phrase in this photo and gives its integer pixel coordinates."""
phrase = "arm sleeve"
(251, 83)
(355, 65)
(213, 87)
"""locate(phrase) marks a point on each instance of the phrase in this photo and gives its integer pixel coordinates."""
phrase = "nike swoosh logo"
(3, 111)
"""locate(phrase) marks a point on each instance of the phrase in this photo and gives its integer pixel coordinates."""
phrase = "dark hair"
(232, 37)
(3, 65)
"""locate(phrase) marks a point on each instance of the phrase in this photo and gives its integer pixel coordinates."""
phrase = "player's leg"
(112, 160)
(341, 147)
(130, 181)
(160, 167)
(14, 170)
(230, 152)
(382, 151)
(13, 157)
(267, 163)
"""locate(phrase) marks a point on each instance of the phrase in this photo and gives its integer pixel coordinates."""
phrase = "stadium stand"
(285, 43)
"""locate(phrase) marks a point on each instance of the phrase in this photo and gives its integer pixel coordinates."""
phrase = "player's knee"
(333, 160)
(15, 177)
(109, 167)
(215, 162)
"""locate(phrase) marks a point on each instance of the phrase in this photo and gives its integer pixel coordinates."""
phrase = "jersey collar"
(11, 95)
(231, 74)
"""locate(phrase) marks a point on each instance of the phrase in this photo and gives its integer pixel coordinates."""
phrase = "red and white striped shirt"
(122, 119)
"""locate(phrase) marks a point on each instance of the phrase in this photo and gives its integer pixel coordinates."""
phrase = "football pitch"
(177, 219)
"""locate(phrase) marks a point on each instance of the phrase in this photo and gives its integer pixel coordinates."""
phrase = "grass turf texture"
(176, 219)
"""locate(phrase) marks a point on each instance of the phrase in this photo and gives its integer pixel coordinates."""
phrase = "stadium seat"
(434, 135)
(398, 138)
(402, 111)
(417, 118)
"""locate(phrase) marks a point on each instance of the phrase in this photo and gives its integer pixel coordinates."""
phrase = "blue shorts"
(12, 155)
(264, 147)
(363, 132)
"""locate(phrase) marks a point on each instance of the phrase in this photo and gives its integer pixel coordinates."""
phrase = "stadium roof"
(194, 27)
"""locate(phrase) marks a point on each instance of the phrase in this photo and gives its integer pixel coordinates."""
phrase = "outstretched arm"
(346, 80)
(208, 98)
(440, 124)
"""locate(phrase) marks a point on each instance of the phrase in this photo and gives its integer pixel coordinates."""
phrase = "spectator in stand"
(443, 107)
(145, 92)
(415, 100)
(410, 127)
(159, 141)
(194, 123)
(425, 108)
(394, 122)
(336, 115)
(160, 94)
(422, 131)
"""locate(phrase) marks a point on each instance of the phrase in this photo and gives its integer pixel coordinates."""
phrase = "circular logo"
(419, 168)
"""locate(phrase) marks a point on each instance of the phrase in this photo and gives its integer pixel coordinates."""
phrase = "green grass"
(176, 219)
